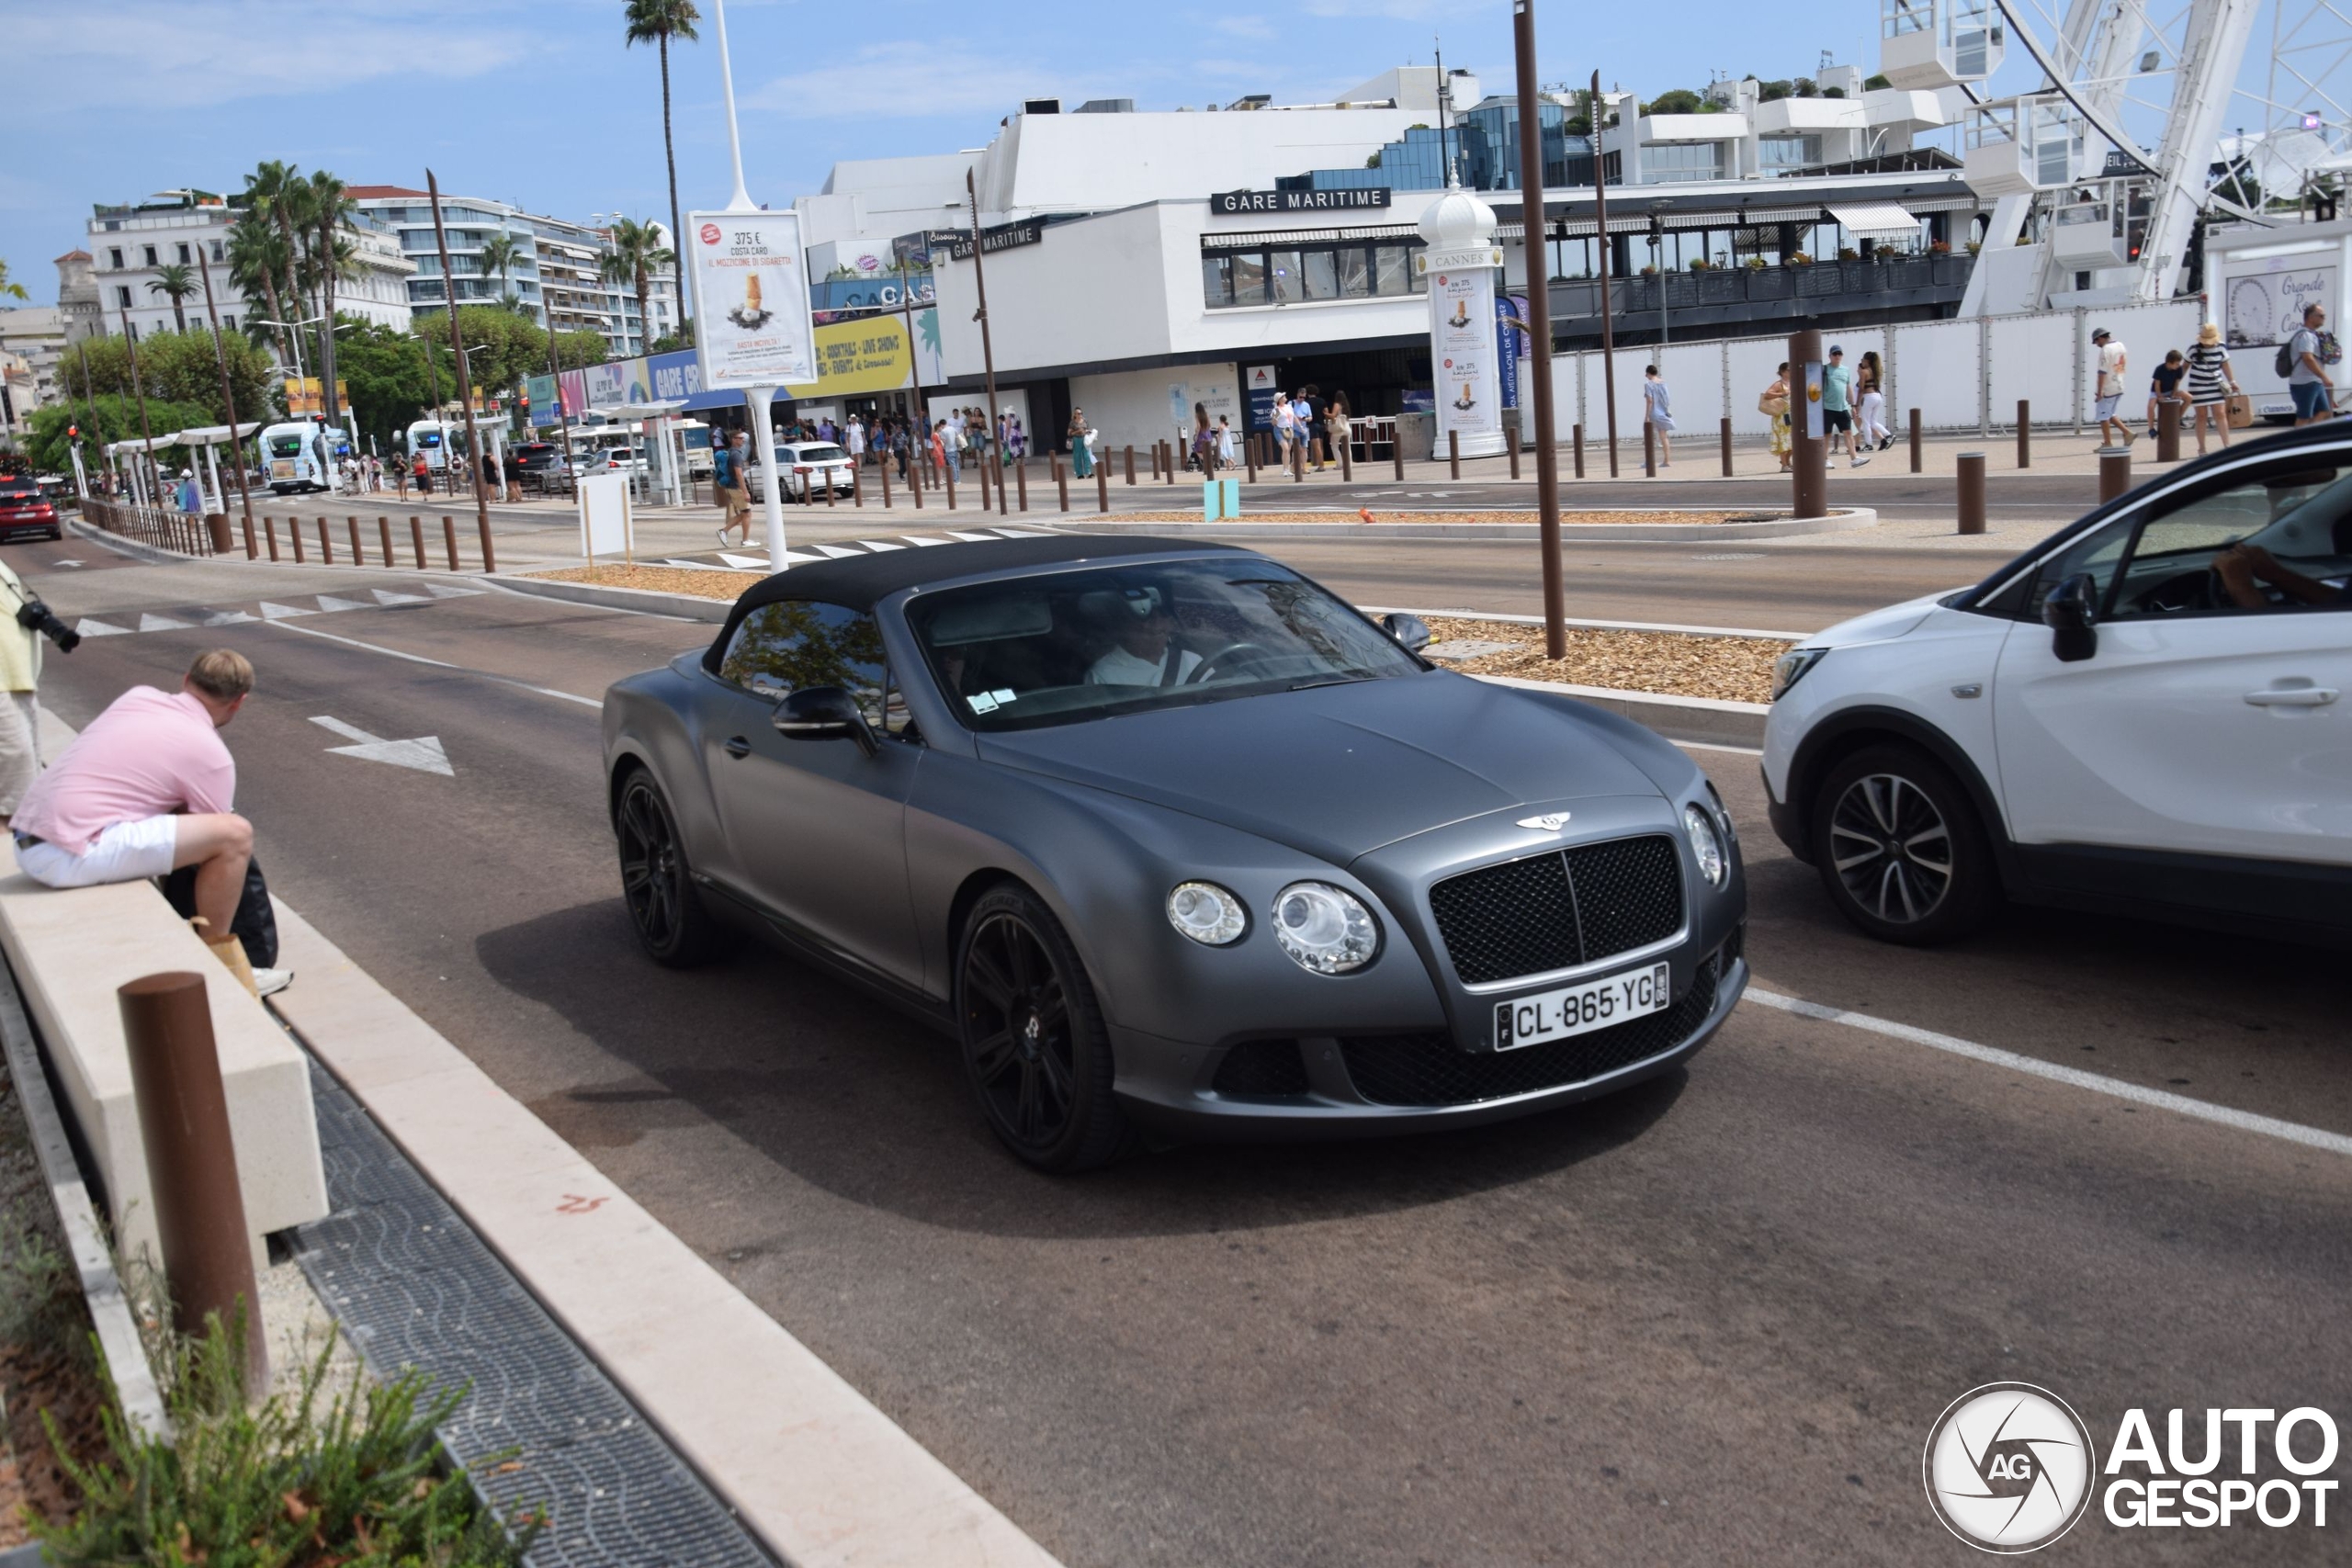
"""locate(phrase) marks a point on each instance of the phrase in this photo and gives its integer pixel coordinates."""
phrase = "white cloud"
(1246, 26)
(161, 55)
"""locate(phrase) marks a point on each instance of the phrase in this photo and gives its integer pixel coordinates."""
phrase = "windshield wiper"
(1329, 681)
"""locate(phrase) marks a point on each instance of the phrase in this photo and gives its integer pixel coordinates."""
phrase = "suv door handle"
(737, 746)
(2292, 696)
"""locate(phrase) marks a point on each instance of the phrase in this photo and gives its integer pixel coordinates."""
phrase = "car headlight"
(1790, 668)
(1325, 929)
(1706, 844)
(1207, 913)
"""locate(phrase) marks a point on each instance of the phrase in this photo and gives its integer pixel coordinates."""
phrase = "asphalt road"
(1709, 1320)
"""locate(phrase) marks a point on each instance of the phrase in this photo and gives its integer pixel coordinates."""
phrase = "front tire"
(1035, 1051)
(1901, 849)
(665, 909)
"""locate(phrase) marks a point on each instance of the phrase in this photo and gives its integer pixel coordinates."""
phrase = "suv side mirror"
(2072, 614)
(1411, 632)
(823, 713)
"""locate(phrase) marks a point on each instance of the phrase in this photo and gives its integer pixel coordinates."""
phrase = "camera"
(36, 617)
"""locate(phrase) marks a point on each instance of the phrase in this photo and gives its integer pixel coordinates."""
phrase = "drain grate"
(412, 1285)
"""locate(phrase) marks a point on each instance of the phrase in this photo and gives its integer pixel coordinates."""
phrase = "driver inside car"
(1145, 651)
(2243, 567)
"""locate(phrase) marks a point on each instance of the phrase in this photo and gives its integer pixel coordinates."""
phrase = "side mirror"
(2072, 614)
(1411, 632)
(823, 713)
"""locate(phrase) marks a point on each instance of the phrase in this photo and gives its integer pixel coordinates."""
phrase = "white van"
(2259, 280)
(436, 439)
(297, 456)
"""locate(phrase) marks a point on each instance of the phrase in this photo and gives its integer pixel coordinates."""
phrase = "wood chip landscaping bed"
(725, 585)
(1732, 668)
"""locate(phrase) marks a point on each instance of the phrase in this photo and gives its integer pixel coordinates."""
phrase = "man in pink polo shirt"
(146, 789)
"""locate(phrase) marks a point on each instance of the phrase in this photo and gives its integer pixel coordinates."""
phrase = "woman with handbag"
(1081, 446)
(1774, 405)
(2208, 372)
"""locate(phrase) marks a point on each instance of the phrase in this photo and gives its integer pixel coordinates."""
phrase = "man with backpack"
(2299, 361)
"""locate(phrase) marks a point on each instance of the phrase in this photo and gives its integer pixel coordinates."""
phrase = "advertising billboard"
(751, 325)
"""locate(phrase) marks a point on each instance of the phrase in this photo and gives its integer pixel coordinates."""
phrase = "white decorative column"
(1460, 267)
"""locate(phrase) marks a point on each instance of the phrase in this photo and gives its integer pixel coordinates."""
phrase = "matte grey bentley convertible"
(1172, 838)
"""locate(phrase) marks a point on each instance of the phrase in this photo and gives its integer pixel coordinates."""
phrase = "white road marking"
(149, 623)
(744, 563)
(1717, 746)
(834, 552)
(89, 628)
(878, 546)
(442, 590)
(972, 538)
(386, 596)
(65, 563)
(440, 664)
(328, 601)
(1024, 532)
(423, 753)
(224, 618)
(270, 612)
(2162, 1099)
(922, 539)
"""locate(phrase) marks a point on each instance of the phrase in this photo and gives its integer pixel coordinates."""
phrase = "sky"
(538, 102)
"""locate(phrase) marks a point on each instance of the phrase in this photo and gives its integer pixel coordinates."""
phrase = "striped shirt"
(2205, 382)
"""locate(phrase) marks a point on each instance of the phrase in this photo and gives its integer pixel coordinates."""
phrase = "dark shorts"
(1837, 419)
(2311, 399)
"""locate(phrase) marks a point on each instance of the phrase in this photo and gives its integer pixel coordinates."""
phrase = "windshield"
(422, 438)
(285, 445)
(1083, 645)
(820, 455)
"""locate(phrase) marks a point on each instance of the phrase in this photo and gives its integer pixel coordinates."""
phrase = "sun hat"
(2098, 333)
(2210, 332)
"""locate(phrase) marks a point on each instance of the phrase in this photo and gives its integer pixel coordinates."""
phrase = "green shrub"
(40, 1299)
(281, 1485)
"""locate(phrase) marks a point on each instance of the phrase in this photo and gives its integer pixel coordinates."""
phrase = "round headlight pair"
(1322, 928)
(1706, 845)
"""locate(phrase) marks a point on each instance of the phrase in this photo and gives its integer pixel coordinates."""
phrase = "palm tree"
(329, 211)
(176, 281)
(635, 254)
(499, 255)
(658, 22)
(256, 263)
(12, 291)
(276, 192)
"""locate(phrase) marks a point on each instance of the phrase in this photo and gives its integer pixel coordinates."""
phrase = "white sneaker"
(269, 982)
(1858, 461)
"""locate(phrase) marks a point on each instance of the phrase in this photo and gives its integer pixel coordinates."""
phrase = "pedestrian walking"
(1837, 407)
(1773, 404)
(2210, 371)
(2113, 360)
(2163, 387)
(1657, 409)
(1224, 441)
(1017, 440)
(1339, 424)
(1872, 414)
(730, 482)
(1286, 426)
(1203, 442)
(1082, 444)
(148, 787)
(190, 499)
(2307, 356)
(19, 712)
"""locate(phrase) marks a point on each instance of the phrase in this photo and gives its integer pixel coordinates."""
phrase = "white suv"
(2144, 714)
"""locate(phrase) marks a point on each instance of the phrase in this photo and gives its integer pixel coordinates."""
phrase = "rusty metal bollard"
(1971, 485)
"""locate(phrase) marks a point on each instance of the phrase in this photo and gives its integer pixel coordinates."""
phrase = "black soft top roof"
(859, 582)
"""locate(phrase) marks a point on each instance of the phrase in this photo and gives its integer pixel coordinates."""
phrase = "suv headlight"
(1706, 845)
(1790, 668)
(1325, 929)
(1207, 913)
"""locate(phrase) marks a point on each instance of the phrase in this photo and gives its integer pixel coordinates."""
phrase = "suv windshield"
(1073, 646)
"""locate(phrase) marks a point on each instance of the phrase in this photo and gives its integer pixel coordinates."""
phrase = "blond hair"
(221, 673)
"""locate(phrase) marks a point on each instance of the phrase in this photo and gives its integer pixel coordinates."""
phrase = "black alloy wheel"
(665, 907)
(1035, 1049)
(1900, 847)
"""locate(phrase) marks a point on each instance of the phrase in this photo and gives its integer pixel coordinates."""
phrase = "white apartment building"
(130, 245)
(554, 276)
(1744, 137)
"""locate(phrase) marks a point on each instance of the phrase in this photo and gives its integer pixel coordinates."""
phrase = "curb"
(644, 601)
(1591, 624)
(1707, 721)
(1839, 522)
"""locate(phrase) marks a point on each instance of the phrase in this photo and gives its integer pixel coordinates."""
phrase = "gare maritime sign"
(957, 243)
(1226, 202)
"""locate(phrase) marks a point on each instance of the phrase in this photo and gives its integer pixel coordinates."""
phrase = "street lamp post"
(988, 356)
(1601, 215)
(1657, 249)
(155, 479)
(457, 345)
(757, 401)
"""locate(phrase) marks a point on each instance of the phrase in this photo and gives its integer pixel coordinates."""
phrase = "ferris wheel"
(2103, 148)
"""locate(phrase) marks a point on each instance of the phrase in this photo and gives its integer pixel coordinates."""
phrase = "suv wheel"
(1900, 849)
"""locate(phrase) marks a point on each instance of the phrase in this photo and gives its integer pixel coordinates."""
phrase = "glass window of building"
(1778, 152)
(1249, 278)
(1355, 271)
(1670, 163)
(1284, 271)
(1322, 275)
(1392, 269)
(1217, 280)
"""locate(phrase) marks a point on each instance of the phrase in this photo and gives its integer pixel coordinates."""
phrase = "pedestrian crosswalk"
(739, 560)
(195, 616)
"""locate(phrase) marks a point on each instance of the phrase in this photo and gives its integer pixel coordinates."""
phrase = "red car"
(24, 510)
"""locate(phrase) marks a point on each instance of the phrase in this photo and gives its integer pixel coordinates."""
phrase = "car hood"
(1338, 771)
(1879, 625)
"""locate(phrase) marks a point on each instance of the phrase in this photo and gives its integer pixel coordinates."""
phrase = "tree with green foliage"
(1680, 100)
(656, 22)
(175, 282)
(327, 211)
(670, 343)
(176, 367)
(256, 254)
(499, 255)
(9, 287)
(636, 254)
(116, 418)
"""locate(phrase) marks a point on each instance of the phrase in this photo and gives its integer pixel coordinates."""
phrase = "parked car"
(2143, 715)
(611, 461)
(808, 467)
(25, 510)
(539, 456)
(1166, 835)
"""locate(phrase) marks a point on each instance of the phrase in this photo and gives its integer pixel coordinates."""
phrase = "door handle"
(2292, 697)
(738, 746)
